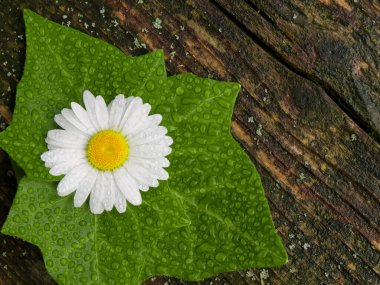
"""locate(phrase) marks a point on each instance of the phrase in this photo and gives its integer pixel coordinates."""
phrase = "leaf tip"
(237, 86)
(281, 257)
(159, 52)
(28, 13)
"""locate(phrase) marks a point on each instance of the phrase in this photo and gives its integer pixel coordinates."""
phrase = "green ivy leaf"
(211, 216)
(60, 64)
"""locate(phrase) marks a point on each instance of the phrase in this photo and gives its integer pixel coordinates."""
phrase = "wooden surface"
(308, 115)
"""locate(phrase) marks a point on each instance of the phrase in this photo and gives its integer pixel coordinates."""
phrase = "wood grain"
(333, 43)
(308, 116)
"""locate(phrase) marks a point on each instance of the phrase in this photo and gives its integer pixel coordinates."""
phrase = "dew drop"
(179, 91)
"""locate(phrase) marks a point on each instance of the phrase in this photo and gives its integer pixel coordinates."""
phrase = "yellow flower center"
(107, 150)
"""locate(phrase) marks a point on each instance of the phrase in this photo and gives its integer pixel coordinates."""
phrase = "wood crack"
(329, 90)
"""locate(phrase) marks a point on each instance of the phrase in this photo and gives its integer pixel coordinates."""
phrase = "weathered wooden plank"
(319, 167)
(333, 43)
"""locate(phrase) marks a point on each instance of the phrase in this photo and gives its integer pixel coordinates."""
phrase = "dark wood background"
(308, 115)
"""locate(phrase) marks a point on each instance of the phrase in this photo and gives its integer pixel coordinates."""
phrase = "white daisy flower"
(107, 153)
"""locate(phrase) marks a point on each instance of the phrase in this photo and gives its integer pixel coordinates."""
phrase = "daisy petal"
(120, 203)
(70, 116)
(63, 138)
(101, 112)
(165, 162)
(66, 167)
(89, 102)
(82, 116)
(69, 127)
(147, 124)
(85, 187)
(152, 167)
(109, 189)
(155, 119)
(54, 144)
(139, 120)
(127, 102)
(151, 163)
(144, 188)
(70, 182)
(116, 111)
(96, 199)
(163, 174)
(150, 136)
(62, 155)
(126, 121)
(154, 183)
(168, 140)
(141, 176)
(150, 151)
(127, 186)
